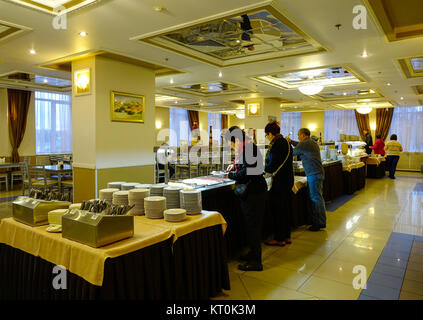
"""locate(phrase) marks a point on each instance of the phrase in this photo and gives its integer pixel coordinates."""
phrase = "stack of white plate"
(191, 201)
(107, 194)
(143, 186)
(174, 215)
(129, 185)
(154, 207)
(172, 197)
(117, 185)
(136, 197)
(120, 198)
(157, 189)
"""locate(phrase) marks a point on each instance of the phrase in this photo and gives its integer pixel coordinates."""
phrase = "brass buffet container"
(95, 229)
(34, 212)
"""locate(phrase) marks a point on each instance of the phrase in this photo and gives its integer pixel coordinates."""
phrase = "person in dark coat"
(249, 169)
(280, 195)
(369, 141)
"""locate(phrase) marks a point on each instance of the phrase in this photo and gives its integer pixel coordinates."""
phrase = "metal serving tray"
(95, 229)
(34, 212)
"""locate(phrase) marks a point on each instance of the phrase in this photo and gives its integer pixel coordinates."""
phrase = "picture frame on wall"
(127, 107)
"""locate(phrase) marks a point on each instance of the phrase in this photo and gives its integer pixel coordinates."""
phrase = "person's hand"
(230, 168)
(288, 139)
(267, 175)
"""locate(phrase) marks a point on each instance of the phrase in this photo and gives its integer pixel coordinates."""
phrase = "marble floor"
(320, 265)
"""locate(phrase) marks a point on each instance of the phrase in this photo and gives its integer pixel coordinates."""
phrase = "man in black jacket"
(248, 170)
(369, 141)
(278, 155)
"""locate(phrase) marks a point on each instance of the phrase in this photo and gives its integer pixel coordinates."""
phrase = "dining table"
(9, 166)
(59, 171)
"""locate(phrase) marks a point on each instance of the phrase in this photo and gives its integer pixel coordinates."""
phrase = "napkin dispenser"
(34, 212)
(95, 229)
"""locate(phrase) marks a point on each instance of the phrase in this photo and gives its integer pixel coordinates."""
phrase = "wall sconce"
(312, 126)
(82, 82)
(254, 109)
(158, 125)
(373, 126)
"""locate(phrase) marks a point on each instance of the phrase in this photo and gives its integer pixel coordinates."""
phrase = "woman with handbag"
(250, 188)
(279, 166)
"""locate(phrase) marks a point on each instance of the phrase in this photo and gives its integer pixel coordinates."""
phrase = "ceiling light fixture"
(83, 34)
(388, 84)
(310, 89)
(171, 81)
(364, 54)
(364, 110)
(220, 74)
(45, 80)
(240, 115)
(159, 8)
(402, 98)
(32, 51)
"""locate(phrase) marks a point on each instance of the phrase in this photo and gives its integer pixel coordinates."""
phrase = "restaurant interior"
(113, 158)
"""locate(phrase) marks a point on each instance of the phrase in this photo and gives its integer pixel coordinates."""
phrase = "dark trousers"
(391, 165)
(253, 210)
(280, 203)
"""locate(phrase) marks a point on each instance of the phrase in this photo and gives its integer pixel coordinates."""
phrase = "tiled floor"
(319, 265)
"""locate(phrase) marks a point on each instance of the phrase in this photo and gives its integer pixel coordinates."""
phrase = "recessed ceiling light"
(388, 84)
(176, 102)
(159, 8)
(32, 51)
(83, 34)
(238, 41)
(402, 98)
(364, 54)
(220, 74)
(345, 93)
(171, 80)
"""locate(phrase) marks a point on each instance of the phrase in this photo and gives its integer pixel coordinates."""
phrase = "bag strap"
(287, 156)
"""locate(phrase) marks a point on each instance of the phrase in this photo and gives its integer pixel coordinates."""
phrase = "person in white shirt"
(393, 149)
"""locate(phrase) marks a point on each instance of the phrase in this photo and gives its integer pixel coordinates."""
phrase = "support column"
(105, 150)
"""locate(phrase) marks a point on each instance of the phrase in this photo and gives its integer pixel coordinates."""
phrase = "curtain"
(225, 121)
(407, 125)
(18, 106)
(179, 127)
(53, 123)
(193, 117)
(363, 123)
(290, 122)
(383, 122)
(339, 122)
(214, 120)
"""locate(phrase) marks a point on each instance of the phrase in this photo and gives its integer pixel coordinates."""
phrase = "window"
(407, 125)
(214, 120)
(290, 122)
(179, 127)
(339, 122)
(53, 123)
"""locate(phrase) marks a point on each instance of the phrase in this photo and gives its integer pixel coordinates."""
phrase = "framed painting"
(127, 107)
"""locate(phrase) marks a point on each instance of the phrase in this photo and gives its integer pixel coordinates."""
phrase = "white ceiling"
(111, 23)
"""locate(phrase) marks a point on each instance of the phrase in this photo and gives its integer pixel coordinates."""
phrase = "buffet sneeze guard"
(95, 229)
(34, 212)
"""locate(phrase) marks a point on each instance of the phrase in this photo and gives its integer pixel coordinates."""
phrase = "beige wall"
(27, 147)
(316, 118)
(162, 115)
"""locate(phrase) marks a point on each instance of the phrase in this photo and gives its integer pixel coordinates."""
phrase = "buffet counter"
(153, 264)
(354, 177)
(332, 184)
(376, 167)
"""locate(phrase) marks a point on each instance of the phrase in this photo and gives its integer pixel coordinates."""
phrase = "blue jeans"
(315, 185)
(391, 163)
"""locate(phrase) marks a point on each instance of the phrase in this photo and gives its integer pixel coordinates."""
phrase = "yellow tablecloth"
(351, 166)
(190, 224)
(375, 160)
(88, 262)
(299, 182)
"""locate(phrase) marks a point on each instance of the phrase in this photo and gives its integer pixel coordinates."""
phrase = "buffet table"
(354, 176)
(221, 198)
(376, 167)
(333, 183)
(183, 260)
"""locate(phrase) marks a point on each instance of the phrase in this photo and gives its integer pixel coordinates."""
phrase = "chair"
(4, 179)
(18, 175)
(43, 160)
(39, 178)
(67, 186)
(159, 174)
